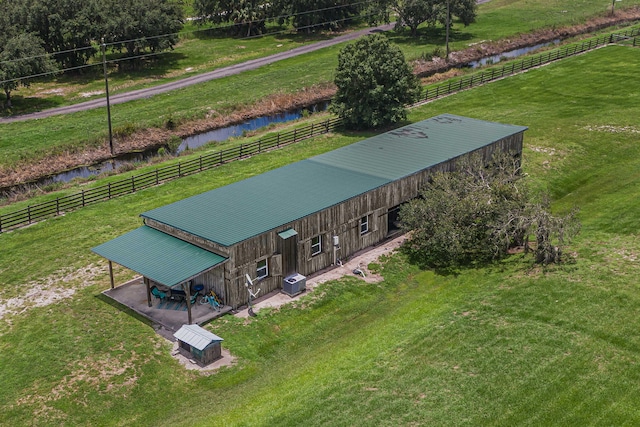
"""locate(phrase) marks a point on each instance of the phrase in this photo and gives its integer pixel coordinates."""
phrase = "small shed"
(198, 343)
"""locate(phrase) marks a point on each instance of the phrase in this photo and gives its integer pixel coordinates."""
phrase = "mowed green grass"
(24, 141)
(509, 344)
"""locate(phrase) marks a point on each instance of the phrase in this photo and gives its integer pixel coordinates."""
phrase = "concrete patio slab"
(133, 295)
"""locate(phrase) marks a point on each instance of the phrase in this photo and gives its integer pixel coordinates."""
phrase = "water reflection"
(509, 55)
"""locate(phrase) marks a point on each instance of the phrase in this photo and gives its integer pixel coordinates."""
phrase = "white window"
(364, 224)
(263, 269)
(316, 245)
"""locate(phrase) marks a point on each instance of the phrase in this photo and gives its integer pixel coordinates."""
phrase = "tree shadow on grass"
(148, 67)
(278, 32)
(368, 133)
(29, 104)
(428, 36)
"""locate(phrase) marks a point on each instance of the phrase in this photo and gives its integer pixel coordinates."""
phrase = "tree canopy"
(70, 29)
(245, 17)
(374, 83)
(413, 13)
(138, 26)
(476, 213)
(23, 55)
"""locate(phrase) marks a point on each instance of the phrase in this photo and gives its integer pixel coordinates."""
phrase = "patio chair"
(194, 298)
(158, 293)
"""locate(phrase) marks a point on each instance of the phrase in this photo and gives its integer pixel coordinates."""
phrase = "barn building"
(300, 218)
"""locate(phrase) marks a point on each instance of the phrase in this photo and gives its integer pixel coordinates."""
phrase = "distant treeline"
(71, 29)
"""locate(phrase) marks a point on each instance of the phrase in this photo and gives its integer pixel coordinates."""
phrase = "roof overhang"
(160, 257)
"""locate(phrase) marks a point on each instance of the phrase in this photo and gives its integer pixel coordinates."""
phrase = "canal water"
(494, 59)
(225, 133)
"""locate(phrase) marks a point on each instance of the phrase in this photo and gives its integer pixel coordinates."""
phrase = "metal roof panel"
(158, 256)
(238, 211)
(196, 336)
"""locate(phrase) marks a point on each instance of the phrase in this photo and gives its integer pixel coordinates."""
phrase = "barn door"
(289, 250)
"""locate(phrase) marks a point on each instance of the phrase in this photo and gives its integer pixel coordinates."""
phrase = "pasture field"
(508, 344)
(22, 143)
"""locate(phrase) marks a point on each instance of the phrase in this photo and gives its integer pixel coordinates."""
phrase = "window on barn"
(263, 269)
(316, 245)
(364, 224)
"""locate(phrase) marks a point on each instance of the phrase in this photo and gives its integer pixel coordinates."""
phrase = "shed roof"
(196, 336)
(239, 211)
(158, 256)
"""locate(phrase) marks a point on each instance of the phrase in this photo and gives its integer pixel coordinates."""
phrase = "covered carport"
(161, 258)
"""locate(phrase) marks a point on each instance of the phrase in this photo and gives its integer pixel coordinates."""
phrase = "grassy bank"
(23, 142)
(509, 344)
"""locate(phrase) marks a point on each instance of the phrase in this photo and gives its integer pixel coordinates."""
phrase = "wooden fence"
(60, 205)
(64, 204)
(455, 85)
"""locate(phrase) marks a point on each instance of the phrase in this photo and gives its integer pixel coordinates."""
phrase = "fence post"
(311, 129)
(240, 153)
(200, 163)
(157, 177)
(278, 141)
(133, 184)
(326, 126)
(179, 169)
(83, 198)
(295, 132)
(220, 161)
(57, 205)
(109, 190)
(0, 223)
(29, 214)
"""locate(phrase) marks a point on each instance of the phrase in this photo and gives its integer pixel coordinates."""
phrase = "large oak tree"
(374, 83)
(476, 213)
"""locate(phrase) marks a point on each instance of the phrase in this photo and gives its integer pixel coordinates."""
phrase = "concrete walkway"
(359, 260)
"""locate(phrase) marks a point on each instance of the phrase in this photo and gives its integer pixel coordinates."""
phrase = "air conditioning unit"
(294, 284)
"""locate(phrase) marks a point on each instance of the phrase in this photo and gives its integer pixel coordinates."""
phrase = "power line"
(223, 26)
(151, 54)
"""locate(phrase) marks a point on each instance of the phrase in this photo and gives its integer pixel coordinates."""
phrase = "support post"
(187, 290)
(111, 274)
(146, 284)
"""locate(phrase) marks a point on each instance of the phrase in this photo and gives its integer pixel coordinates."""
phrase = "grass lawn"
(509, 344)
(198, 52)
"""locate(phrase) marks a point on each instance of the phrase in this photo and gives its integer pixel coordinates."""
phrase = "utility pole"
(106, 85)
(447, 33)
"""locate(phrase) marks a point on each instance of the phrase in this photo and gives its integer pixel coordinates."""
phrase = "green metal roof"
(244, 209)
(158, 256)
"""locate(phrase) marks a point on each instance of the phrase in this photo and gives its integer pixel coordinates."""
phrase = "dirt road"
(200, 78)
